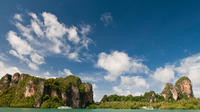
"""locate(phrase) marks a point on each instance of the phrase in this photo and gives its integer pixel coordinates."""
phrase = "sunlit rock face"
(183, 86)
(29, 91)
(169, 92)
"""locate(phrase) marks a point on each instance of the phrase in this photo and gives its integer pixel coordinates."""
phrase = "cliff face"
(182, 88)
(22, 90)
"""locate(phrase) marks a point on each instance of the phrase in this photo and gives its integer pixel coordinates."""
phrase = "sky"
(121, 47)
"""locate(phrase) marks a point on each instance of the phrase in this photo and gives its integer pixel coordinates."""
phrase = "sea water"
(87, 110)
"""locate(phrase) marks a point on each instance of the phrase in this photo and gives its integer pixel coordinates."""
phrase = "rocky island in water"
(177, 96)
(23, 90)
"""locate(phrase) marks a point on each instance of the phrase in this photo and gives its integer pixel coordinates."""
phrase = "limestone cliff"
(23, 90)
(182, 88)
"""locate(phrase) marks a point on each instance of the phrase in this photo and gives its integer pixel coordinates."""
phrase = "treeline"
(191, 103)
(143, 98)
(149, 99)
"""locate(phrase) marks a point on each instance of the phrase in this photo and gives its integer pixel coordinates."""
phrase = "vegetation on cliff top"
(42, 95)
(157, 101)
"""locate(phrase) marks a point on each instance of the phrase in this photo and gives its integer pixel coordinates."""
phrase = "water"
(86, 110)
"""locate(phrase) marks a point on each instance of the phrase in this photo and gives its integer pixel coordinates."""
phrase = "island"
(23, 90)
(178, 96)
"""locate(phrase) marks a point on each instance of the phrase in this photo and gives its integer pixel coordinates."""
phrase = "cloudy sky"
(121, 47)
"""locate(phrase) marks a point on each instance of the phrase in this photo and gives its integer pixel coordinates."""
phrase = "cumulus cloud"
(131, 85)
(37, 58)
(74, 56)
(44, 36)
(89, 79)
(73, 35)
(53, 28)
(106, 18)
(118, 63)
(7, 69)
(20, 45)
(18, 17)
(190, 67)
(94, 86)
(65, 72)
(164, 74)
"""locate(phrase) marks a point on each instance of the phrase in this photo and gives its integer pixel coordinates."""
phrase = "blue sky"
(121, 47)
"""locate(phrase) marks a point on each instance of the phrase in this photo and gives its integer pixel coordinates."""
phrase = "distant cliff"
(23, 90)
(181, 89)
(178, 96)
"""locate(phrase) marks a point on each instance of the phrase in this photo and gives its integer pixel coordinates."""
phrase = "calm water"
(86, 110)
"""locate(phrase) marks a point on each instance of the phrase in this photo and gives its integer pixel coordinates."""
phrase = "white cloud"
(4, 69)
(33, 66)
(45, 36)
(94, 86)
(36, 28)
(54, 29)
(25, 31)
(118, 63)
(20, 45)
(47, 75)
(73, 35)
(131, 85)
(106, 18)
(18, 17)
(65, 72)
(3, 57)
(165, 74)
(190, 67)
(74, 56)
(37, 58)
(89, 78)
(85, 29)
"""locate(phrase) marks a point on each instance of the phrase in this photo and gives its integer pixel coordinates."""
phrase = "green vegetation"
(180, 80)
(180, 104)
(42, 95)
(6, 97)
(145, 98)
(137, 102)
(167, 91)
(51, 102)
(178, 83)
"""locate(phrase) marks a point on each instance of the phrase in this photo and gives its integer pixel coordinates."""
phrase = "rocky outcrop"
(183, 86)
(29, 91)
(75, 97)
(87, 94)
(153, 98)
(169, 92)
(5, 82)
(15, 79)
